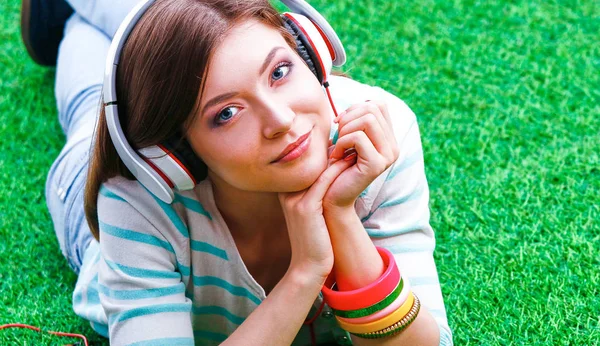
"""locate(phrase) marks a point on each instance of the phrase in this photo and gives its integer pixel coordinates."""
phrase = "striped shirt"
(172, 275)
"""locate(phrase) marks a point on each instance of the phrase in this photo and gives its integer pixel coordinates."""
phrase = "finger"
(359, 141)
(383, 108)
(389, 129)
(372, 128)
(357, 111)
(351, 108)
(374, 105)
(318, 189)
(365, 150)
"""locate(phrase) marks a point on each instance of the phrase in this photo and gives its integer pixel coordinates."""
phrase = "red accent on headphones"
(162, 175)
(178, 162)
(327, 42)
(312, 45)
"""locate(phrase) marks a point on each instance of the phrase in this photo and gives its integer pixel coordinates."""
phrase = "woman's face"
(259, 97)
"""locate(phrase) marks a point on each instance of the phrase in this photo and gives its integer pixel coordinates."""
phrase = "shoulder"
(129, 204)
(124, 191)
(127, 201)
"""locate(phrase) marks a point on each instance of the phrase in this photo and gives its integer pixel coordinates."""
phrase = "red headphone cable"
(26, 326)
(309, 322)
(326, 85)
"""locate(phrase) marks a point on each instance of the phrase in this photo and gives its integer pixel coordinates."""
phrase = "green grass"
(506, 94)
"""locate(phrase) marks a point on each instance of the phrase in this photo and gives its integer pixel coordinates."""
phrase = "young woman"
(302, 226)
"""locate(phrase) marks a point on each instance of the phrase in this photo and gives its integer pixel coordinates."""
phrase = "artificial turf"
(507, 96)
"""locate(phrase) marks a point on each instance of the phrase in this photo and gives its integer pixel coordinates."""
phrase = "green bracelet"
(373, 308)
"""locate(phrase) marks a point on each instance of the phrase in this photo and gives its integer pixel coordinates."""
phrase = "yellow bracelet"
(380, 324)
(397, 327)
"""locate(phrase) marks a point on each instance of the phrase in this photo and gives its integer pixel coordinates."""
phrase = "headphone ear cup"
(182, 150)
(305, 45)
(176, 163)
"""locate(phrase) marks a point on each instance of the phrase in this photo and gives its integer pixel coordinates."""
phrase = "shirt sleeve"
(396, 214)
(141, 291)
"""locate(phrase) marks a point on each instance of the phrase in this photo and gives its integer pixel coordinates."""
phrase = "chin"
(303, 175)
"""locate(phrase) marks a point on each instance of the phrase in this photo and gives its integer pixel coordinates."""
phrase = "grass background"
(506, 94)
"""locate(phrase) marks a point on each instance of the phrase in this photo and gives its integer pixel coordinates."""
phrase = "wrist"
(330, 212)
(306, 278)
(348, 238)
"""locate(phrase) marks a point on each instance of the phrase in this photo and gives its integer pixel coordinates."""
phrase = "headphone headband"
(114, 52)
(303, 8)
(151, 171)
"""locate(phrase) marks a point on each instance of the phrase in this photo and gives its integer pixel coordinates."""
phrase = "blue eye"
(226, 114)
(281, 71)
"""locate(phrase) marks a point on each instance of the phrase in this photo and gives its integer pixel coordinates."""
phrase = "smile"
(301, 147)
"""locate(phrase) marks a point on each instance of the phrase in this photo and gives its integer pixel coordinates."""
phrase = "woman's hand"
(303, 210)
(367, 128)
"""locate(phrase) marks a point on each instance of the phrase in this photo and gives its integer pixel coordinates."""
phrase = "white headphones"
(159, 167)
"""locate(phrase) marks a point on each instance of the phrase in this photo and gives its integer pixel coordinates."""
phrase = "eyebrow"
(268, 59)
(218, 99)
(222, 97)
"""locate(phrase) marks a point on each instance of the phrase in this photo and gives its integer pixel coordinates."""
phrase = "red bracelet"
(366, 296)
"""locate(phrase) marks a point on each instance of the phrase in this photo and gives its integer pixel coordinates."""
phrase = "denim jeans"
(78, 87)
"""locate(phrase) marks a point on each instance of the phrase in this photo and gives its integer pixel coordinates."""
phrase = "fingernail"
(331, 161)
(350, 157)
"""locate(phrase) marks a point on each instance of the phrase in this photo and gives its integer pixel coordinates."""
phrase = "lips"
(292, 146)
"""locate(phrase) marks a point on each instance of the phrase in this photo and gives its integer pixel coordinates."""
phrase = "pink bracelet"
(396, 304)
(368, 295)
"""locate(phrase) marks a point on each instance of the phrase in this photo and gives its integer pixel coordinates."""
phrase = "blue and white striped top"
(171, 274)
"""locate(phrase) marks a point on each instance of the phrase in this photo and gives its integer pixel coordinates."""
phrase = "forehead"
(242, 52)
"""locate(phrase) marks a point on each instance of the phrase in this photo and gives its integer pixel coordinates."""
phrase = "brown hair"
(160, 76)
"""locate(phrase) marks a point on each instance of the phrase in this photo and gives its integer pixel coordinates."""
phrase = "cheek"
(206, 150)
(233, 157)
(221, 155)
(309, 95)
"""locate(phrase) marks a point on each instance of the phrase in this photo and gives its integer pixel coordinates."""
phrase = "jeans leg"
(106, 15)
(79, 76)
(79, 73)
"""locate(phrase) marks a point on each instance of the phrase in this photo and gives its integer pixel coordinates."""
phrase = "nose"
(277, 117)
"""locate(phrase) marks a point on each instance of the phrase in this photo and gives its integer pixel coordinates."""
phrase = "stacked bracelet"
(369, 295)
(373, 309)
(382, 323)
(398, 326)
(387, 310)
(383, 308)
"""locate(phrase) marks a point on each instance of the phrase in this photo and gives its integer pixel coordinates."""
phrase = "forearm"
(277, 320)
(349, 238)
